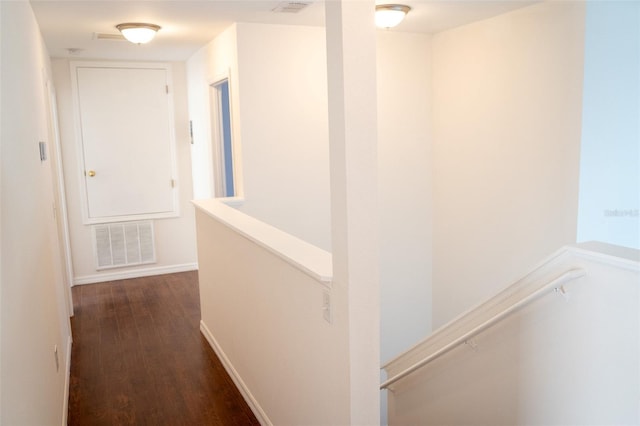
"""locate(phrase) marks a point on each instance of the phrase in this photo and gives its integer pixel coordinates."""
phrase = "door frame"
(60, 195)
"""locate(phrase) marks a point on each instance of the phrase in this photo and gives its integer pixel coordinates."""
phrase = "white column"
(351, 73)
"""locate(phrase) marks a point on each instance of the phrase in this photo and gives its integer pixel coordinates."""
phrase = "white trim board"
(311, 260)
(67, 382)
(261, 416)
(135, 273)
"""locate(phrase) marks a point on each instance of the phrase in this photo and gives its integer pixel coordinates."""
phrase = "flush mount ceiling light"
(138, 33)
(390, 15)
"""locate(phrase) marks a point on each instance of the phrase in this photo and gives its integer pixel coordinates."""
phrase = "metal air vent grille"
(124, 244)
(103, 36)
(291, 6)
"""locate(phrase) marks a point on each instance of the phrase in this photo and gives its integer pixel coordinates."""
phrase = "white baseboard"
(67, 382)
(134, 273)
(244, 390)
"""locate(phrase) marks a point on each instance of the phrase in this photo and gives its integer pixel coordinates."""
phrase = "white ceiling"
(188, 25)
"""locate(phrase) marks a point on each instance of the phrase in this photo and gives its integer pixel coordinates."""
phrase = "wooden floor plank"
(138, 358)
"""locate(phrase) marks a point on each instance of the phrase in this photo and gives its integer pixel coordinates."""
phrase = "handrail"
(556, 284)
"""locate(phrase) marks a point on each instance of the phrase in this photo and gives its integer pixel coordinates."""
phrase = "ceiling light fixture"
(390, 15)
(138, 33)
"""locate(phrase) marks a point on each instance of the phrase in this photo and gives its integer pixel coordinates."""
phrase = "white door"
(126, 129)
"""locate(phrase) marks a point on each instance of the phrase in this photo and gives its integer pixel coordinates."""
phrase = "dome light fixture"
(138, 33)
(390, 15)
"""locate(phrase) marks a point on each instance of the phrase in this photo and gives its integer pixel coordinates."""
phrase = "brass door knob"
(91, 173)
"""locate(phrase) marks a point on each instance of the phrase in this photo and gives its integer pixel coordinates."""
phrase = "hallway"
(138, 357)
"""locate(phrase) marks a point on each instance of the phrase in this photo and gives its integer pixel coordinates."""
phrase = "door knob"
(91, 173)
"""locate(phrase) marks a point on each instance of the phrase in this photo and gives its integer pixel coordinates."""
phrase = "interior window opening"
(223, 159)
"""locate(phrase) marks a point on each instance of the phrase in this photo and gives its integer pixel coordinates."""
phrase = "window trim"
(217, 152)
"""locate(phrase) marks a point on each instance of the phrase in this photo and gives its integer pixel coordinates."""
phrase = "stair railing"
(555, 284)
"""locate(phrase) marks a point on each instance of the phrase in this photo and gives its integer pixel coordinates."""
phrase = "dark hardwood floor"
(138, 357)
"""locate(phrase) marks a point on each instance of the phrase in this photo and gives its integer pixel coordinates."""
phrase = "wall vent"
(103, 36)
(124, 244)
(291, 6)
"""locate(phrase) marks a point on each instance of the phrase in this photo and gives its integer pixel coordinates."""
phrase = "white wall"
(283, 110)
(405, 195)
(34, 316)
(216, 59)
(268, 318)
(610, 155)
(279, 104)
(355, 228)
(404, 161)
(280, 90)
(266, 322)
(175, 237)
(507, 95)
(558, 360)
